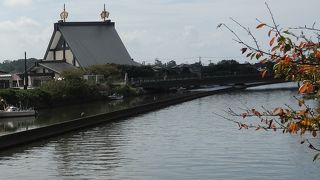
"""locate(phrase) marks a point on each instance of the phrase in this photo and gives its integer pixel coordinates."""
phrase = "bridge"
(248, 80)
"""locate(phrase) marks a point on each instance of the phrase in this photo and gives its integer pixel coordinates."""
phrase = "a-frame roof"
(93, 43)
(57, 67)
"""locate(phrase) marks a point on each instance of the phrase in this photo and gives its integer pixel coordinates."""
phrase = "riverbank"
(23, 137)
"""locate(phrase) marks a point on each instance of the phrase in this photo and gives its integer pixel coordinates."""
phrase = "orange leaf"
(310, 89)
(264, 73)
(293, 128)
(278, 111)
(303, 88)
(260, 25)
(272, 41)
(317, 54)
(302, 45)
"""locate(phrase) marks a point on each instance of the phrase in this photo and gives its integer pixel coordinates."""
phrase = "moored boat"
(12, 111)
(115, 97)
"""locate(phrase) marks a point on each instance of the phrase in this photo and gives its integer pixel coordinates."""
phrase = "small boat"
(115, 97)
(12, 111)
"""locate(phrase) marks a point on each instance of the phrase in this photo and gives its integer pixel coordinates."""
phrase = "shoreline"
(45, 132)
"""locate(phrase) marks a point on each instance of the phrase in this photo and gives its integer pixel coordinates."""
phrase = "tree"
(157, 62)
(109, 71)
(295, 53)
(16, 66)
(72, 74)
(171, 64)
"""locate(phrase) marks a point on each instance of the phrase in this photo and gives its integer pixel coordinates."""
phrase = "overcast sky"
(180, 30)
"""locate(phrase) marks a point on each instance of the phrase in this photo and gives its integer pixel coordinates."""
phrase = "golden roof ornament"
(105, 14)
(64, 14)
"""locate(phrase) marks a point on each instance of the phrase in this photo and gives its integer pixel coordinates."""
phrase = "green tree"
(72, 74)
(109, 71)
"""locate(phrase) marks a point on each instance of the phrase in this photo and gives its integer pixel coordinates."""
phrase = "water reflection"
(15, 124)
(65, 113)
(99, 156)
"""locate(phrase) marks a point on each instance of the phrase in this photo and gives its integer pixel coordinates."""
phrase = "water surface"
(185, 141)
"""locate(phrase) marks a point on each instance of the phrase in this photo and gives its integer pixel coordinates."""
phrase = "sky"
(180, 30)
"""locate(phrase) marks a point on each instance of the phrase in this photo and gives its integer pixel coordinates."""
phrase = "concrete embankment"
(19, 138)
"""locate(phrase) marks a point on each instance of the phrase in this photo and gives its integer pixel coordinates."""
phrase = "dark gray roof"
(95, 43)
(3, 72)
(57, 67)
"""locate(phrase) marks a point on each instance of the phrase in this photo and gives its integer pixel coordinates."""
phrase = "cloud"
(14, 3)
(23, 34)
(20, 24)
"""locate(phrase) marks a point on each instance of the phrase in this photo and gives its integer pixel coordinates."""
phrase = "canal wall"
(23, 137)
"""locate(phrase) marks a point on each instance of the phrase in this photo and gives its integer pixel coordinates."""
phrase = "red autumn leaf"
(269, 33)
(306, 88)
(245, 126)
(257, 113)
(258, 55)
(272, 41)
(303, 88)
(261, 25)
(243, 50)
(274, 48)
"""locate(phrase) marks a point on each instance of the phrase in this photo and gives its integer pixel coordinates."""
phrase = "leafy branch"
(296, 57)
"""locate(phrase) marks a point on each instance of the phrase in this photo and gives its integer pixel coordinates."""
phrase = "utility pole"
(25, 72)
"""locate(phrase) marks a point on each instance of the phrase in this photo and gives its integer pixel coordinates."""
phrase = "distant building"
(78, 45)
(5, 79)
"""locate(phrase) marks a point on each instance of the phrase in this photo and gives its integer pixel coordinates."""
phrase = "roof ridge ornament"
(104, 14)
(64, 14)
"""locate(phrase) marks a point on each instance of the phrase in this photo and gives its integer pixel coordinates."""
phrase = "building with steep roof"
(84, 44)
(79, 45)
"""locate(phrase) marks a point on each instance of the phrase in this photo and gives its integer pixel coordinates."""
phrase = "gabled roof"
(93, 43)
(3, 72)
(57, 66)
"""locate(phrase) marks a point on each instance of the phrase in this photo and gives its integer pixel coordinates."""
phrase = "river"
(185, 141)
